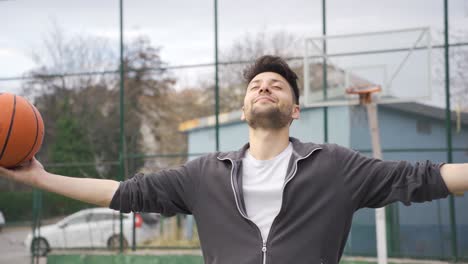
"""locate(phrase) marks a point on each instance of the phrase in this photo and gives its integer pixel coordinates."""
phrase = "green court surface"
(124, 259)
(162, 259)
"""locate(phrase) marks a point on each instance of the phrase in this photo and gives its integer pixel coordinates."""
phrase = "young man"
(276, 200)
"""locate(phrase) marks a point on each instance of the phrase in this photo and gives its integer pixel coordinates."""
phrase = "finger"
(6, 173)
(28, 164)
(24, 164)
(3, 170)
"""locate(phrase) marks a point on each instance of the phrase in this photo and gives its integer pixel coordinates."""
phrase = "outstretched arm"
(455, 177)
(94, 191)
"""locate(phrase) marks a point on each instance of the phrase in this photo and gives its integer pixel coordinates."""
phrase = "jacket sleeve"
(375, 183)
(167, 191)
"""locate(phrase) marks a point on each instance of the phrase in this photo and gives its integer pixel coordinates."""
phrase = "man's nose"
(264, 88)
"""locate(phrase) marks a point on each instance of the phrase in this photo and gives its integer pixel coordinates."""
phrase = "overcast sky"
(184, 28)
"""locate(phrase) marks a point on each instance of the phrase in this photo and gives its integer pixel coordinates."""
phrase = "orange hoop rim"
(361, 90)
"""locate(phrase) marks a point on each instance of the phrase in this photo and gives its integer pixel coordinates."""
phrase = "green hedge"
(17, 206)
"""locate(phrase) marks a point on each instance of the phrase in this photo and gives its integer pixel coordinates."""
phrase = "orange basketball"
(21, 130)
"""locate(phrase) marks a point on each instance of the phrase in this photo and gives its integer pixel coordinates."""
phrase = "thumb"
(6, 173)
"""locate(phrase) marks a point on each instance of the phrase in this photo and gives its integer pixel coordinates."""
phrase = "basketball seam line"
(10, 128)
(37, 134)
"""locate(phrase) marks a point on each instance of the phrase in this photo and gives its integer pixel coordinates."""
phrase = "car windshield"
(105, 216)
(90, 216)
(75, 218)
(78, 219)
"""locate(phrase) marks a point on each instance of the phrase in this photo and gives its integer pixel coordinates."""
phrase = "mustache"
(264, 97)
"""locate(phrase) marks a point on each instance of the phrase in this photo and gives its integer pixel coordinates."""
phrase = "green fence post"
(33, 225)
(324, 67)
(393, 230)
(122, 115)
(448, 122)
(216, 73)
(37, 207)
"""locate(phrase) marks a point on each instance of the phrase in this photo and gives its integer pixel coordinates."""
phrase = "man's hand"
(27, 172)
(94, 191)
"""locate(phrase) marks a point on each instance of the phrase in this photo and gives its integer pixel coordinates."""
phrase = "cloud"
(6, 52)
(13, 62)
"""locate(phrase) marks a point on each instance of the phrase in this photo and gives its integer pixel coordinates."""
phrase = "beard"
(272, 118)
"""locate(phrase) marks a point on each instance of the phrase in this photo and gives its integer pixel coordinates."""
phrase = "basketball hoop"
(364, 92)
(365, 98)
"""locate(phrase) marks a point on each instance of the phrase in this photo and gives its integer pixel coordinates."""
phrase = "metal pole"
(38, 223)
(448, 129)
(133, 233)
(306, 72)
(389, 220)
(216, 73)
(34, 225)
(380, 225)
(122, 117)
(325, 82)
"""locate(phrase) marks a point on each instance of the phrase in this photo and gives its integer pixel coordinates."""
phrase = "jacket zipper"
(264, 250)
(282, 196)
(264, 242)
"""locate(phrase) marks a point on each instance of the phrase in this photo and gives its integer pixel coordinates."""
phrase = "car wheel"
(113, 242)
(40, 247)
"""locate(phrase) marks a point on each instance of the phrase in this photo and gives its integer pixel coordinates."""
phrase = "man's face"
(269, 102)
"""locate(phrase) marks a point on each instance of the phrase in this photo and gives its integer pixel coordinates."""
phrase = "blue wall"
(424, 229)
(309, 128)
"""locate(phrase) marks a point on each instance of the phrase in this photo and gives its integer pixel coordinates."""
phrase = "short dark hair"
(269, 63)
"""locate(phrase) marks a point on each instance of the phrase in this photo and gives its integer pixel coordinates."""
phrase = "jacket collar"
(301, 149)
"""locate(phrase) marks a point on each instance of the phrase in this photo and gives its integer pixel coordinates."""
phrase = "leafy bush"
(18, 206)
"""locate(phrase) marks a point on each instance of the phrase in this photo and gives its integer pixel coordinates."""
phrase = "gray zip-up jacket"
(325, 184)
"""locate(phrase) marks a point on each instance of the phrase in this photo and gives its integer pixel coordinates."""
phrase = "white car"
(2, 221)
(91, 228)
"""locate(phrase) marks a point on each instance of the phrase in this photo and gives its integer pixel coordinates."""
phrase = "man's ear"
(296, 112)
(243, 114)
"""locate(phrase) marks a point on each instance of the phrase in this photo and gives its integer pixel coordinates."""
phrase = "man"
(276, 200)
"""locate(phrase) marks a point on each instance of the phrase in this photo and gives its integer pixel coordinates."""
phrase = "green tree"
(70, 146)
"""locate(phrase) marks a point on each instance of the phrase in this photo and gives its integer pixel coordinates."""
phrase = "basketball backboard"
(399, 61)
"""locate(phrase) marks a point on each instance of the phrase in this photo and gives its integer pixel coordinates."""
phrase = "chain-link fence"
(180, 67)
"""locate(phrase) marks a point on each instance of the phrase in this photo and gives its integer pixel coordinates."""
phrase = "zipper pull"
(264, 248)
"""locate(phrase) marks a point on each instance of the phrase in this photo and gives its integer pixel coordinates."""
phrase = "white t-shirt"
(262, 182)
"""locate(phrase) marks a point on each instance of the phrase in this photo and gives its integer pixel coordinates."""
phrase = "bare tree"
(459, 73)
(83, 71)
(458, 57)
